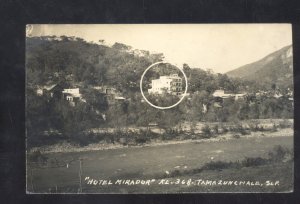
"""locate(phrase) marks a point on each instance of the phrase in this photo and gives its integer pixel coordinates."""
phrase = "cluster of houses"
(111, 94)
(171, 84)
(276, 94)
(57, 91)
(74, 95)
(269, 94)
(221, 95)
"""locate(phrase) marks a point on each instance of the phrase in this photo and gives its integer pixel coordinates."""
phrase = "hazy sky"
(220, 47)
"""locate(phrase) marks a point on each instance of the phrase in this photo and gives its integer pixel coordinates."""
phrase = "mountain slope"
(275, 68)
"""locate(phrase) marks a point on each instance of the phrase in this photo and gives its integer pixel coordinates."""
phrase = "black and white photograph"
(159, 108)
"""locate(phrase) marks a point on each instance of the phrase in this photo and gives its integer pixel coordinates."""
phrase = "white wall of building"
(170, 84)
(74, 92)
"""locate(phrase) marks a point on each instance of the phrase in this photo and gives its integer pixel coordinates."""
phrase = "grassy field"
(154, 162)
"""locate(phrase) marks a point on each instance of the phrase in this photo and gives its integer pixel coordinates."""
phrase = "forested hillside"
(77, 63)
(49, 59)
(57, 58)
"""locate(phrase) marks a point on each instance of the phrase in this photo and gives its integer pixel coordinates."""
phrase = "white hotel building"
(167, 84)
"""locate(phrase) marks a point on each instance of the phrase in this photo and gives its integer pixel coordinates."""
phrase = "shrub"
(141, 139)
(236, 136)
(261, 128)
(217, 165)
(53, 162)
(274, 128)
(278, 153)
(80, 139)
(123, 141)
(216, 129)
(195, 171)
(240, 129)
(256, 161)
(166, 136)
(37, 157)
(175, 173)
(285, 124)
(224, 129)
(206, 131)
(143, 132)
(253, 127)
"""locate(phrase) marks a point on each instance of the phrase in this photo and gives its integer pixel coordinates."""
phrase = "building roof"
(119, 98)
(172, 76)
(72, 92)
(47, 87)
(222, 94)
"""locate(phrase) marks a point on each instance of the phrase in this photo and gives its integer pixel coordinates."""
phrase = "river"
(146, 162)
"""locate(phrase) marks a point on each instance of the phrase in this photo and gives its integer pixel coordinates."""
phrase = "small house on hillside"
(72, 95)
(120, 98)
(239, 96)
(111, 94)
(277, 95)
(114, 99)
(221, 94)
(51, 91)
(105, 89)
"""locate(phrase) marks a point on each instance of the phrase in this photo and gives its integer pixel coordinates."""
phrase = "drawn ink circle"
(163, 107)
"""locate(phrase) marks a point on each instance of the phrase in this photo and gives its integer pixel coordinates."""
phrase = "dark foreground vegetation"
(277, 155)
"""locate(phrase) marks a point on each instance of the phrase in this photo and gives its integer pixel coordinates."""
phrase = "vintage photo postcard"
(159, 108)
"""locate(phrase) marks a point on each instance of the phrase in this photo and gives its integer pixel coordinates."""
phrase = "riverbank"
(65, 147)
